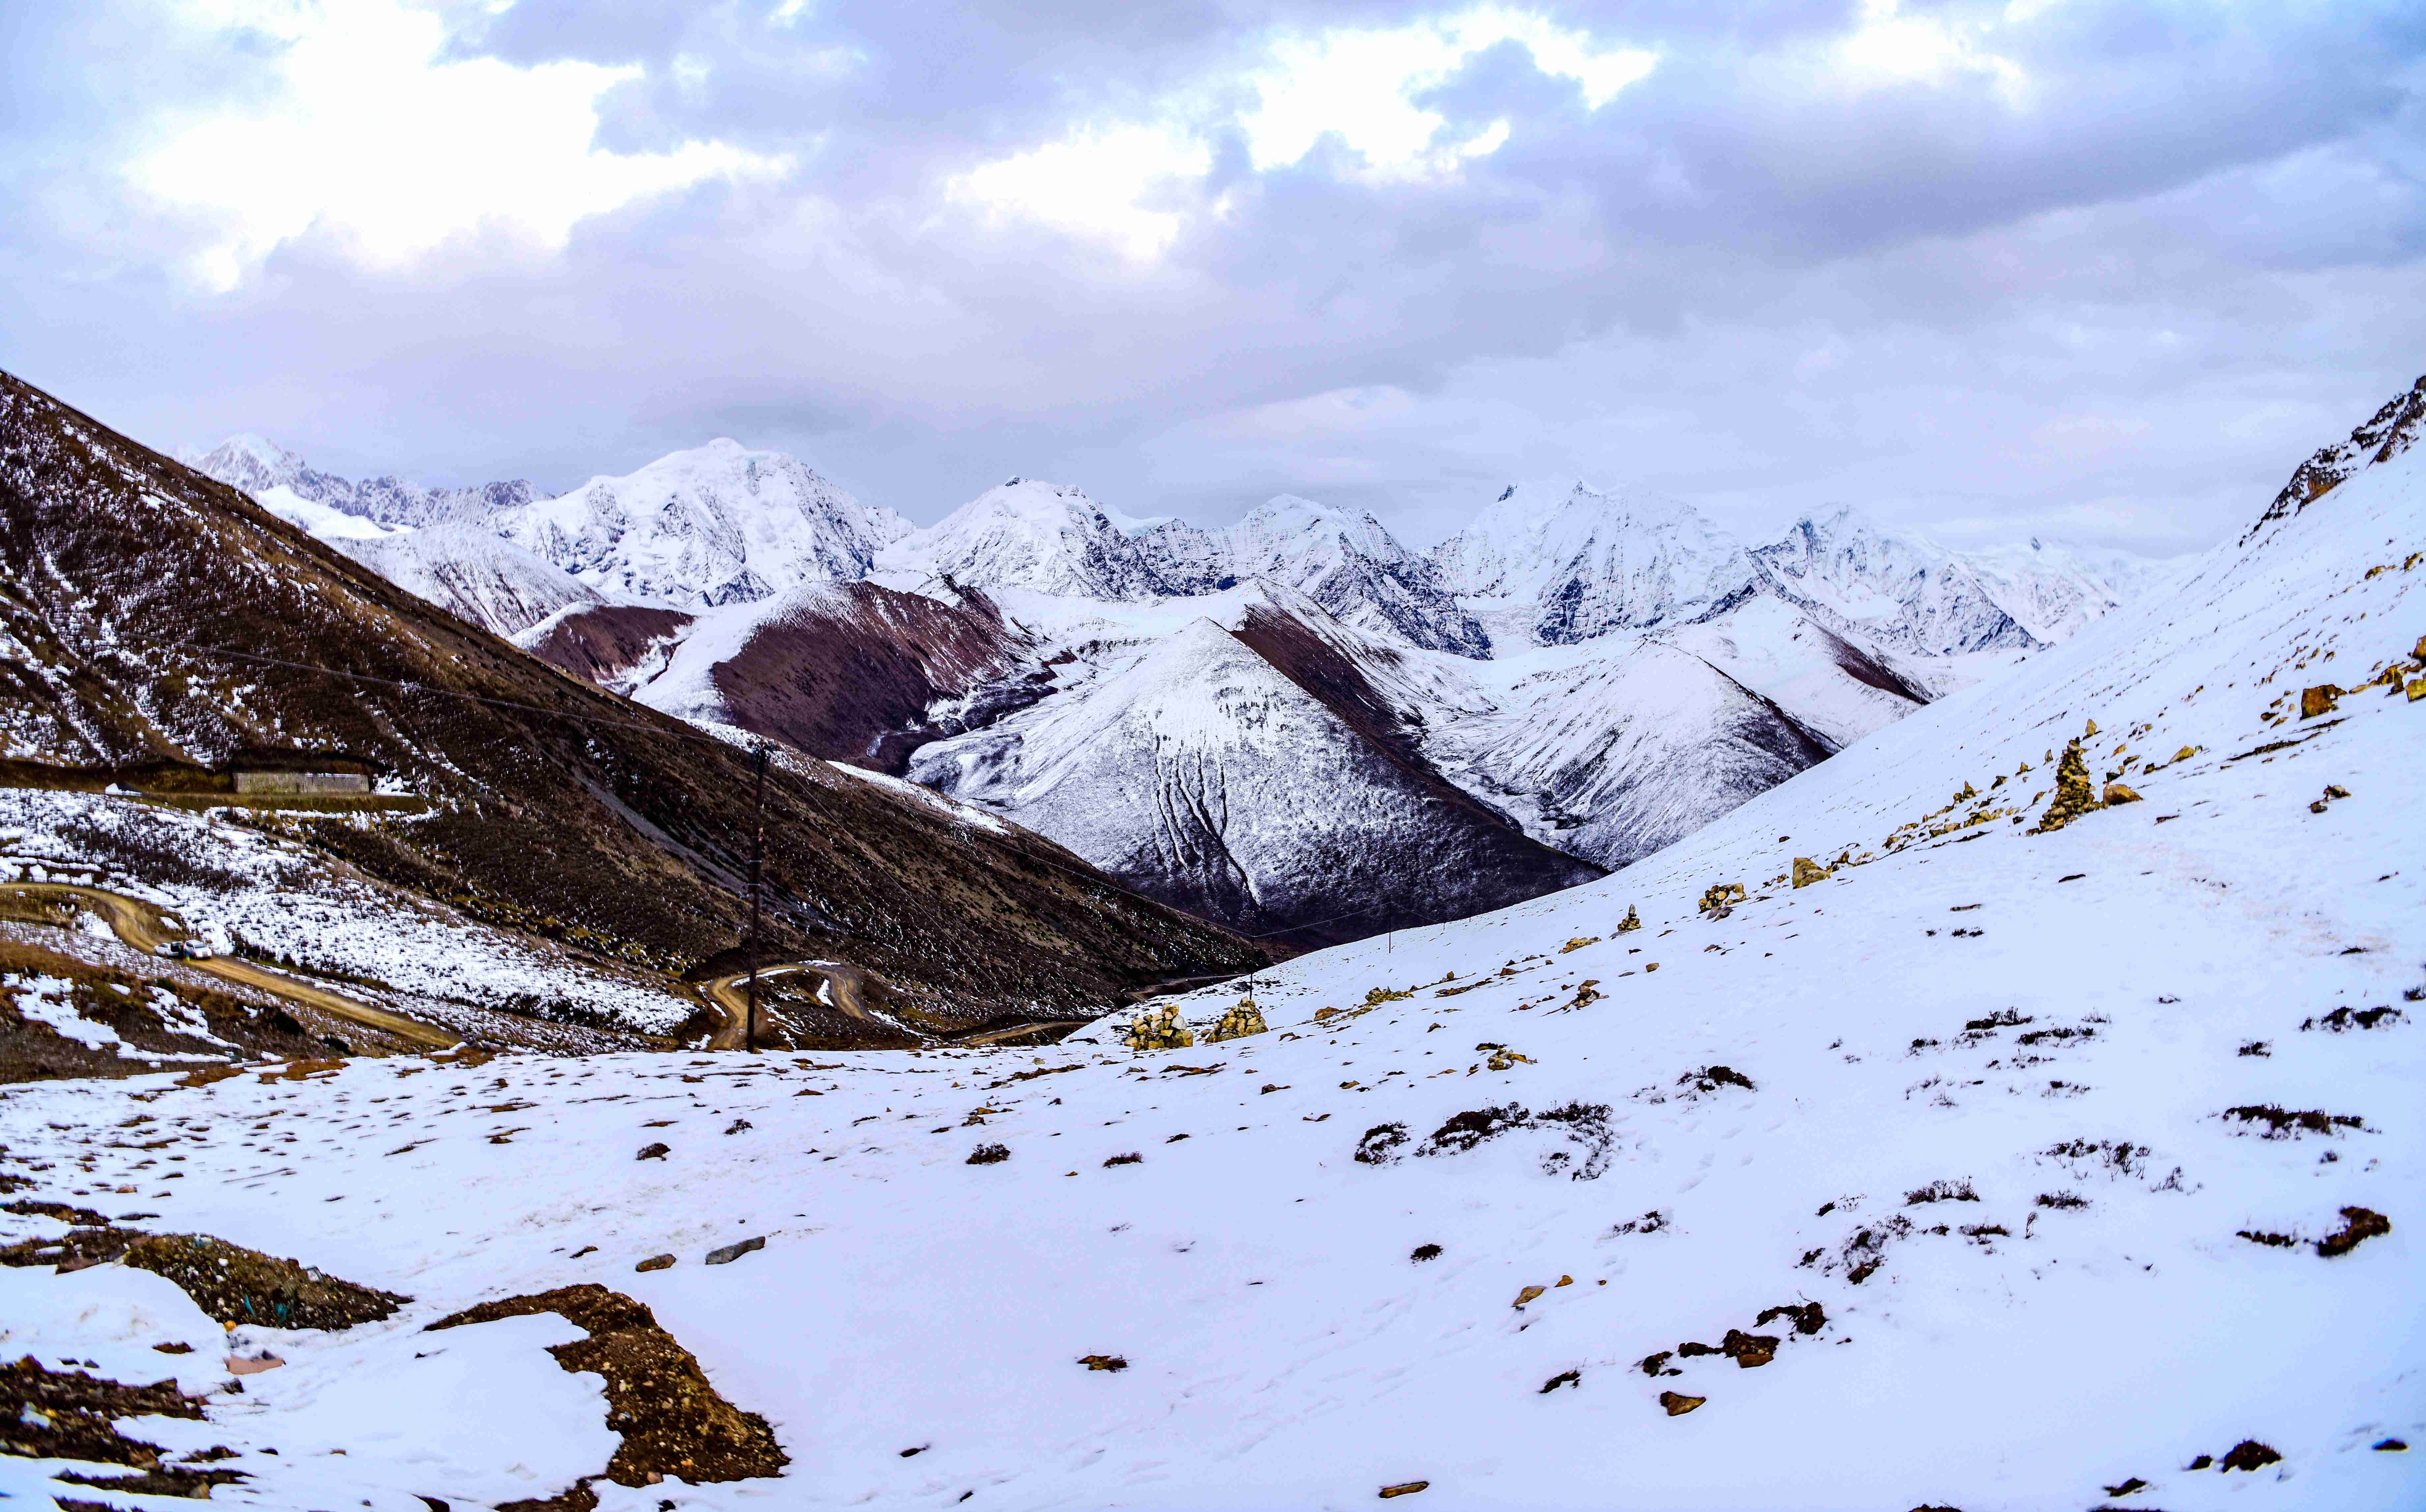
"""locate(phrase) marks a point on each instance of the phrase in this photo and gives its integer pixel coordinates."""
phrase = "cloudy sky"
(2099, 271)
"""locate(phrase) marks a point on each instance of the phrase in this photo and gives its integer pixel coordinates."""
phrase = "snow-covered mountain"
(719, 524)
(1557, 569)
(1619, 747)
(466, 569)
(2042, 1154)
(1346, 562)
(1906, 593)
(1047, 537)
(1252, 766)
(265, 469)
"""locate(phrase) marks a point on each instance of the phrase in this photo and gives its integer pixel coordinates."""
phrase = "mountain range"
(1296, 725)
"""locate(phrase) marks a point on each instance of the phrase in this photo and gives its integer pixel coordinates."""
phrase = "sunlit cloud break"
(1126, 183)
(373, 135)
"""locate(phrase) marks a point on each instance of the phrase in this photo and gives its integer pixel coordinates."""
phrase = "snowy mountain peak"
(1047, 537)
(1586, 561)
(716, 524)
(1349, 563)
(258, 465)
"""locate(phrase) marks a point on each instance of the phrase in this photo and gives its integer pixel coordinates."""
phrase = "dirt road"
(729, 996)
(847, 987)
(137, 923)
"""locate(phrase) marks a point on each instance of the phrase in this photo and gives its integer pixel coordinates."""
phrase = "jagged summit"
(2387, 433)
(264, 469)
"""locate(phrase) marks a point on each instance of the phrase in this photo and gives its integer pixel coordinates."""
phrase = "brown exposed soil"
(2283, 1124)
(231, 1283)
(672, 1420)
(2358, 1226)
(73, 1415)
(2249, 1455)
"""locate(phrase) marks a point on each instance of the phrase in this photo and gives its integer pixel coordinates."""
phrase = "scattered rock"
(1403, 1489)
(1721, 899)
(2116, 793)
(727, 1254)
(1564, 1377)
(1749, 1350)
(2126, 1488)
(2343, 1019)
(1631, 922)
(1678, 1403)
(989, 1155)
(2185, 753)
(2358, 1226)
(2390, 1446)
(1579, 943)
(1807, 871)
(1110, 1362)
(2318, 700)
(1807, 1318)
(2249, 1455)
(1132, 1158)
(655, 1151)
(1425, 1252)
(737, 1125)
(656, 1263)
(1528, 1294)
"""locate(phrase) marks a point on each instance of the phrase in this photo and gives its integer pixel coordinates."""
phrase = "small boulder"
(657, 1152)
(656, 1263)
(727, 1254)
(2116, 793)
(2318, 700)
(1678, 1403)
(1109, 1362)
(2249, 1455)
(1403, 1489)
(989, 1155)
(1807, 871)
(1529, 1294)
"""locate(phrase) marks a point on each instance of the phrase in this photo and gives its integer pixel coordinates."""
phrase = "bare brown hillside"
(129, 581)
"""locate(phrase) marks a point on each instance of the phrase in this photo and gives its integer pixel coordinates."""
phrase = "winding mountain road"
(138, 924)
(847, 987)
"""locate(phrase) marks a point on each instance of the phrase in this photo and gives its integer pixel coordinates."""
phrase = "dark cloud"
(2110, 283)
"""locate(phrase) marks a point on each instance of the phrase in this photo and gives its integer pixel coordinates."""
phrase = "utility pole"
(757, 865)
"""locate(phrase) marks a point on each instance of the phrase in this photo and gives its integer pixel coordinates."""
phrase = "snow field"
(2035, 1043)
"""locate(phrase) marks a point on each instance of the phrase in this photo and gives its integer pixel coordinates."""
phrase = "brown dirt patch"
(672, 1420)
(228, 1281)
(71, 1415)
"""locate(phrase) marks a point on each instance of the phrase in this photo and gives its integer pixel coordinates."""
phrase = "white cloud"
(373, 134)
(1101, 183)
(1892, 46)
(1361, 82)
(1126, 183)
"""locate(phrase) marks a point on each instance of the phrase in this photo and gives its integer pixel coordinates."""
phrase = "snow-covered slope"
(719, 523)
(261, 467)
(1028, 533)
(2005, 1168)
(1249, 771)
(1557, 570)
(467, 569)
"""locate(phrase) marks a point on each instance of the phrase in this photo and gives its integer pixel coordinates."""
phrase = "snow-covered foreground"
(2002, 1104)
